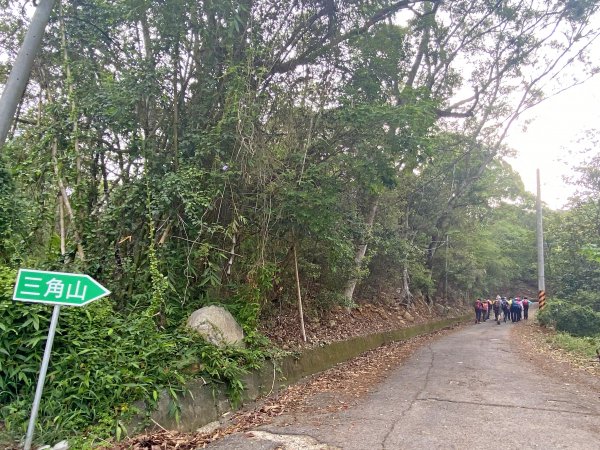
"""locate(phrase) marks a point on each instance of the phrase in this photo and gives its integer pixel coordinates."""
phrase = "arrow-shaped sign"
(57, 288)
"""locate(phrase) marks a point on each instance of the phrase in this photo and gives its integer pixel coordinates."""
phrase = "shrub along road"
(470, 389)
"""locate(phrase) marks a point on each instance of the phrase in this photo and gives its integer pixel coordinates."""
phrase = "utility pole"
(540, 247)
(21, 69)
(446, 272)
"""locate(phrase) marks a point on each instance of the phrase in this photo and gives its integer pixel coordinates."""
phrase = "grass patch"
(584, 347)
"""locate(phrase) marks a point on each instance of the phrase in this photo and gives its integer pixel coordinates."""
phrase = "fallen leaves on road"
(535, 347)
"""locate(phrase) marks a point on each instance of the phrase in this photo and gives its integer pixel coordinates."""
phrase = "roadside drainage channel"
(203, 403)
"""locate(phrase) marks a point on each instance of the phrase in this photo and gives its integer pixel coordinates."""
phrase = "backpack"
(525, 303)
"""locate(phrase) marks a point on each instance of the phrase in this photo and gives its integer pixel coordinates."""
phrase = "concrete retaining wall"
(205, 403)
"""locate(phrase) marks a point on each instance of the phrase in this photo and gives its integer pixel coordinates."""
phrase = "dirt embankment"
(340, 323)
(535, 346)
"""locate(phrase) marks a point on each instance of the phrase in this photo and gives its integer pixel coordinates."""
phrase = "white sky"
(550, 141)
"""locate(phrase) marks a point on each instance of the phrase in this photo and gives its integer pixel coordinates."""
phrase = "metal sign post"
(55, 288)
(42, 378)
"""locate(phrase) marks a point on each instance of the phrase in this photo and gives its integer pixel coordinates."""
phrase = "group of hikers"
(513, 309)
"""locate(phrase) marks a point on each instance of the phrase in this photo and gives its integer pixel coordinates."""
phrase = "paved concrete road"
(468, 390)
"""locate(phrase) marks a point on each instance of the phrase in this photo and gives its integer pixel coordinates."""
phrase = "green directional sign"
(57, 288)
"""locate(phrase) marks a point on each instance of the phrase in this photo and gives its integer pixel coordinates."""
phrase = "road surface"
(468, 390)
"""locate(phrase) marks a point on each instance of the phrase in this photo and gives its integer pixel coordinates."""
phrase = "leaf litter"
(335, 389)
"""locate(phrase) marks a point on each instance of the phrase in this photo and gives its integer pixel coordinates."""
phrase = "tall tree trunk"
(406, 296)
(299, 293)
(176, 106)
(231, 254)
(361, 251)
(61, 223)
(65, 199)
(71, 97)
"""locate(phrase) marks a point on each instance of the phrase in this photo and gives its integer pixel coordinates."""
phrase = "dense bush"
(589, 298)
(102, 362)
(547, 316)
(571, 318)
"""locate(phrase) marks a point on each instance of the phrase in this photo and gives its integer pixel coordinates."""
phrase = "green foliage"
(592, 252)
(573, 240)
(578, 321)
(587, 298)
(23, 330)
(547, 316)
(7, 210)
(159, 282)
(377, 59)
(102, 364)
(13, 218)
(248, 299)
(483, 237)
(571, 318)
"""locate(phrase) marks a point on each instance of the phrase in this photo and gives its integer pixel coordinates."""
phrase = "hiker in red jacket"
(478, 309)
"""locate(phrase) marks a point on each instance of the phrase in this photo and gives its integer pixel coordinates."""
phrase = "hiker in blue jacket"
(514, 310)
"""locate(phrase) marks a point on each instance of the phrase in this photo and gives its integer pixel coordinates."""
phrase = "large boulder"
(217, 326)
